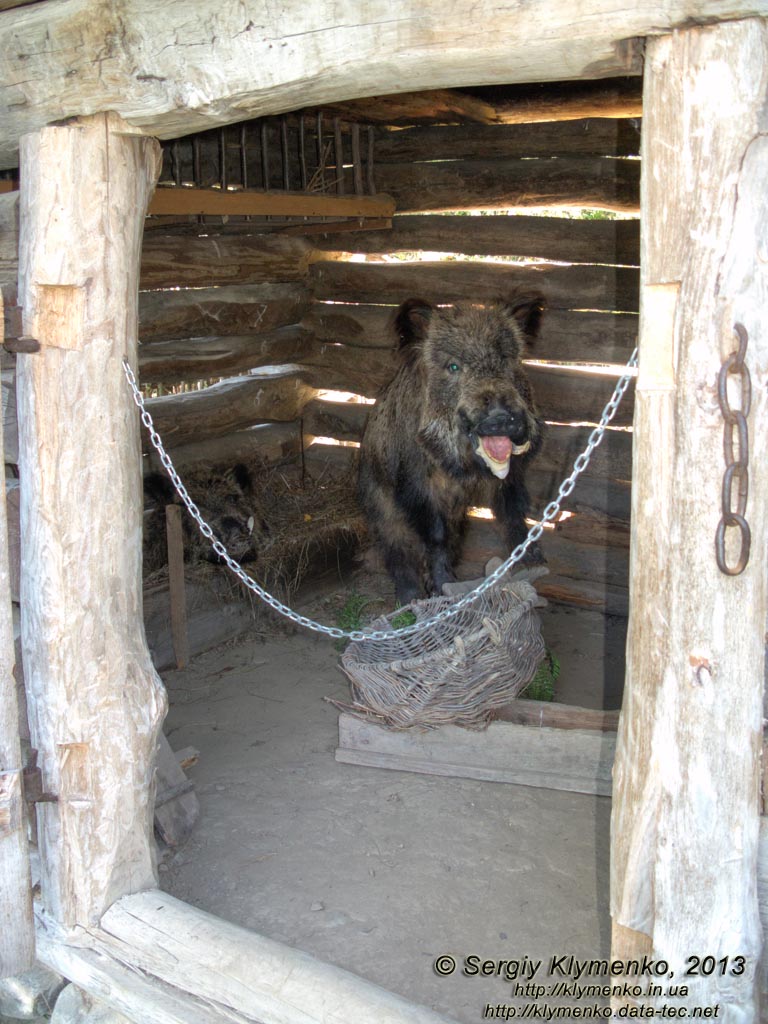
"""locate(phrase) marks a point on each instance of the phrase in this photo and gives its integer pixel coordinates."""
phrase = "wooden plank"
(574, 760)
(613, 458)
(95, 701)
(509, 104)
(272, 442)
(246, 309)
(279, 393)
(236, 75)
(199, 358)
(539, 714)
(685, 812)
(176, 589)
(541, 238)
(577, 287)
(176, 805)
(169, 261)
(492, 184)
(567, 335)
(237, 971)
(585, 137)
(217, 203)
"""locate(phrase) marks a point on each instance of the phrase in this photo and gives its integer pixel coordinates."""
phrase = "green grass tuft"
(542, 686)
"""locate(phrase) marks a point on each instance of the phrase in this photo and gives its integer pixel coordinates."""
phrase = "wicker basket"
(457, 671)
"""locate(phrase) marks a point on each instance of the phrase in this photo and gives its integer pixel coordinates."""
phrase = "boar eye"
(453, 367)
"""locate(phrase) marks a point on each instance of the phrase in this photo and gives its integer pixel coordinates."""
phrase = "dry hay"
(298, 519)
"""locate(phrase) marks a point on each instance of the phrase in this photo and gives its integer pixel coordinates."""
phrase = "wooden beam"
(200, 201)
(223, 64)
(503, 104)
(545, 238)
(231, 309)
(17, 936)
(585, 137)
(567, 335)
(576, 287)
(177, 594)
(160, 961)
(686, 780)
(574, 760)
(95, 700)
(498, 184)
(176, 261)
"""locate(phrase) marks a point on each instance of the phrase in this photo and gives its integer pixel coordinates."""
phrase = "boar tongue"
(495, 453)
(499, 448)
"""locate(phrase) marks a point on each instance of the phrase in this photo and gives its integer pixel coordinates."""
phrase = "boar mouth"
(496, 452)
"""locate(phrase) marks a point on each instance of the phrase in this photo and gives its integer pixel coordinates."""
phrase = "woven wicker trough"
(457, 671)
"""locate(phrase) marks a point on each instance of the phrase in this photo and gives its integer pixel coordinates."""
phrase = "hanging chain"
(550, 513)
(736, 470)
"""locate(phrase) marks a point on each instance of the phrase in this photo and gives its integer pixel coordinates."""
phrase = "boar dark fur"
(460, 411)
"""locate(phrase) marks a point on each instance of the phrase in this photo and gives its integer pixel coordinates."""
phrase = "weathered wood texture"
(227, 310)
(545, 238)
(9, 238)
(577, 287)
(95, 701)
(576, 760)
(207, 262)
(279, 394)
(506, 104)
(220, 203)
(592, 137)
(567, 335)
(162, 962)
(490, 184)
(223, 64)
(685, 811)
(17, 938)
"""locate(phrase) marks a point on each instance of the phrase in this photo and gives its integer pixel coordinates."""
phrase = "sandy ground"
(376, 871)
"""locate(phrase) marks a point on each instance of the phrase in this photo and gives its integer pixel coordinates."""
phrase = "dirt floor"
(377, 871)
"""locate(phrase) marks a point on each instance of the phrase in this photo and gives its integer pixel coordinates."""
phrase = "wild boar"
(460, 410)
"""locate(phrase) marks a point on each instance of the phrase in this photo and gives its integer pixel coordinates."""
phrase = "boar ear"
(412, 321)
(527, 310)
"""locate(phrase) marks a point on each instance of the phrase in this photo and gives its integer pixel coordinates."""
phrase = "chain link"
(738, 469)
(535, 532)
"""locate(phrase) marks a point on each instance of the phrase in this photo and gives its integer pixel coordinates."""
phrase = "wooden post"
(17, 936)
(95, 701)
(686, 779)
(177, 591)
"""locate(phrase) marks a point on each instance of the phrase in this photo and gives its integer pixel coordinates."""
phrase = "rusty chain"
(735, 468)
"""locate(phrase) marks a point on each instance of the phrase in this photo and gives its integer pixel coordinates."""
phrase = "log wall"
(281, 316)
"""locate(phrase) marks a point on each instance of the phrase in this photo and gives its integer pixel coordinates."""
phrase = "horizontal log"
(279, 393)
(195, 358)
(586, 137)
(551, 715)
(345, 421)
(267, 442)
(504, 104)
(544, 238)
(215, 67)
(491, 184)
(218, 203)
(573, 287)
(169, 261)
(246, 309)
(567, 335)
(231, 405)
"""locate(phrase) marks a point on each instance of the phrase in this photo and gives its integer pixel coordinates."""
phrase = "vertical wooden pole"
(17, 934)
(686, 778)
(95, 700)
(177, 590)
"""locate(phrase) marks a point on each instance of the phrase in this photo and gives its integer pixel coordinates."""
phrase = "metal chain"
(550, 512)
(738, 468)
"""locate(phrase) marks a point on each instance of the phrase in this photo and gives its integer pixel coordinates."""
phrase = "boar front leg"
(510, 506)
(439, 560)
